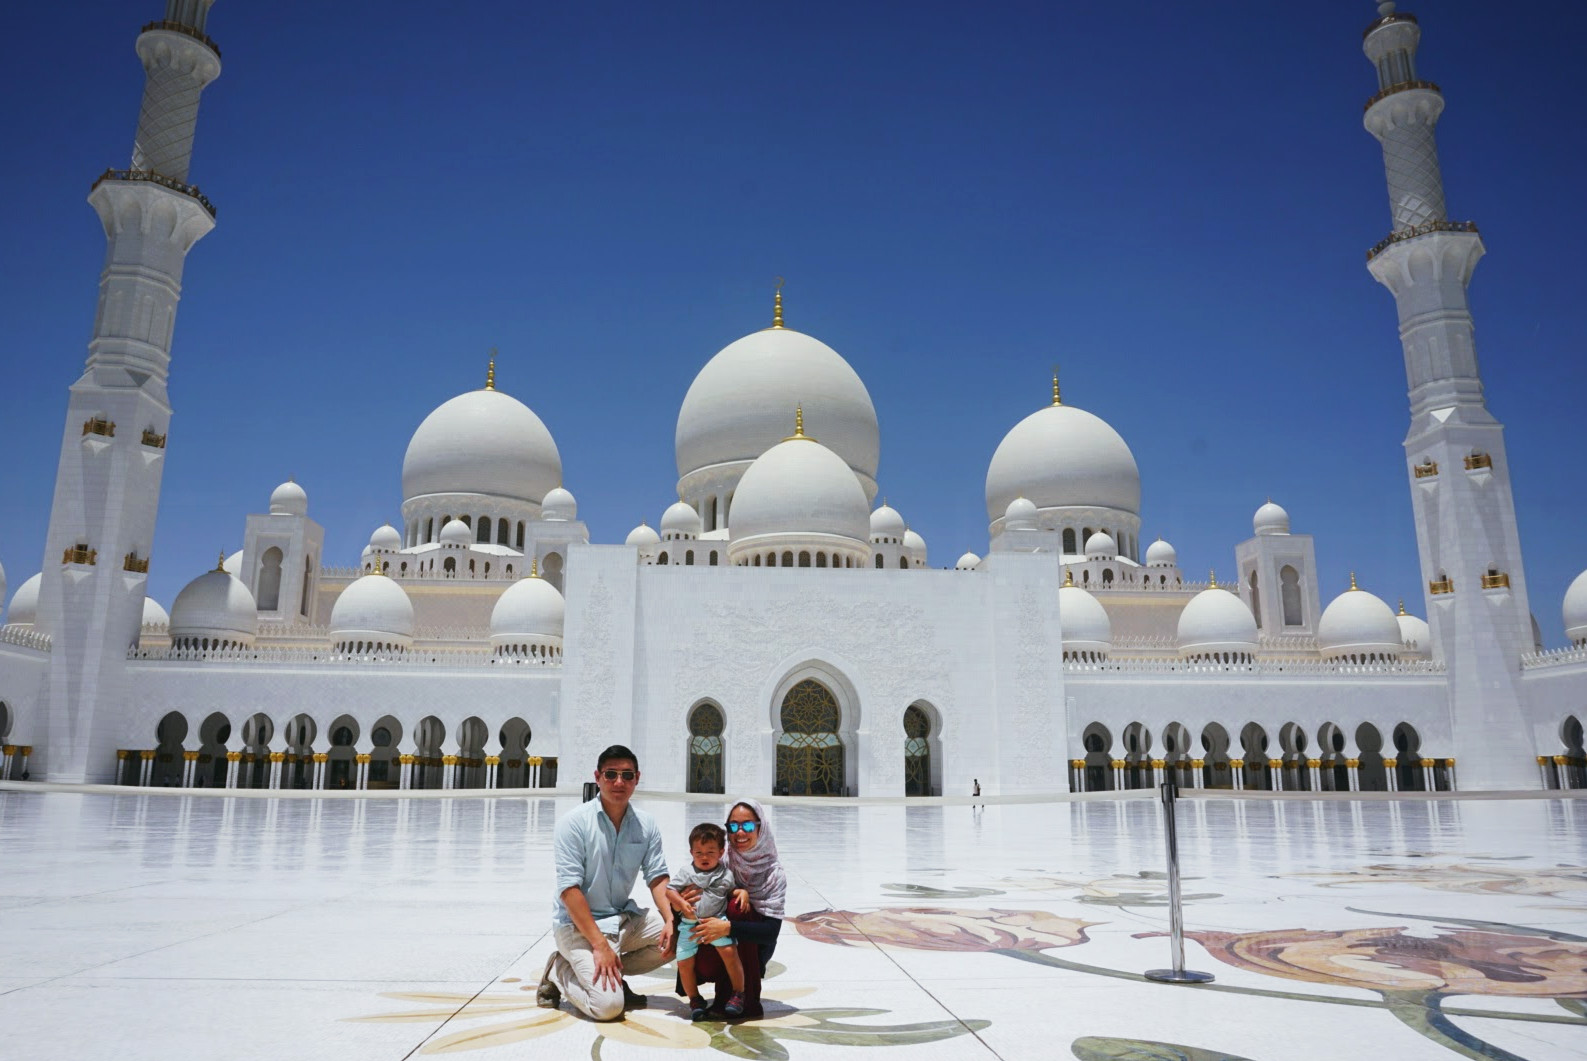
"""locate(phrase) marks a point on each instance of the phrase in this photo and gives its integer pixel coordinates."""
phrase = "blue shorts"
(688, 945)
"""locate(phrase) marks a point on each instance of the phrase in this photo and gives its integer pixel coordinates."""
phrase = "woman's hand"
(740, 902)
(711, 929)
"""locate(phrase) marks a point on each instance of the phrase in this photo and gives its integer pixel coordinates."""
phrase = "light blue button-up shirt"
(604, 862)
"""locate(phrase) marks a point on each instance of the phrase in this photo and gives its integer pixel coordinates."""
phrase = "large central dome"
(738, 406)
(1063, 457)
(482, 442)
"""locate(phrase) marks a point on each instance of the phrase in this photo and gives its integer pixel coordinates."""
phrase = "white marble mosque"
(777, 631)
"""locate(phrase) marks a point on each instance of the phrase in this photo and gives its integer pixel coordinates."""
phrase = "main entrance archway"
(809, 750)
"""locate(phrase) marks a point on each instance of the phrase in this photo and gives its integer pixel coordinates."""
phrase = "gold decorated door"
(809, 751)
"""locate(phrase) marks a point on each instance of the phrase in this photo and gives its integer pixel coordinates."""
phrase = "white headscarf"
(758, 870)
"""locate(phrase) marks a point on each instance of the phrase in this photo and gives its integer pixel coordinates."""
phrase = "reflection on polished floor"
(170, 927)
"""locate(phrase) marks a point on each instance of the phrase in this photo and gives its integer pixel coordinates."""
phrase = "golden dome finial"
(220, 565)
(1353, 581)
(1212, 578)
(534, 567)
(1402, 605)
(1057, 395)
(799, 423)
(776, 306)
(490, 371)
(380, 568)
(1069, 577)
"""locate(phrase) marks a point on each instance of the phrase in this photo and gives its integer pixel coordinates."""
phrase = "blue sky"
(1170, 200)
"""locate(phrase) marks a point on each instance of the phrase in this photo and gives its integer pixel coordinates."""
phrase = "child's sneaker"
(698, 1010)
(735, 1005)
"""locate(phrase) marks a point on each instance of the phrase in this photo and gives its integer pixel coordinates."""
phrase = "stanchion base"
(1178, 976)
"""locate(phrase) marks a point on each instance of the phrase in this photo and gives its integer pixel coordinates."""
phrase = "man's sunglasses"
(741, 827)
(626, 775)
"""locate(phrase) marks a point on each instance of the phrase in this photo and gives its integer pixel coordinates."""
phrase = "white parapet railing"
(1264, 668)
(1554, 657)
(25, 637)
(316, 657)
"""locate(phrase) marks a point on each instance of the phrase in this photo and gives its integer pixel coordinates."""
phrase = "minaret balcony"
(1401, 86)
(1496, 580)
(81, 554)
(1441, 585)
(189, 190)
(153, 439)
(1478, 460)
(1436, 225)
(99, 426)
(135, 564)
(186, 30)
(1425, 470)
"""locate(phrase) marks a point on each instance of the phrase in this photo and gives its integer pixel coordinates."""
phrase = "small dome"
(482, 442)
(153, 614)
(559, 505)
(215, 606)
(737, 407)
(289, 499)
(1161, 554)
(456, 532)
(386, 537)
(1270, 519)
(25, 605)
(967, 562)
(1415, 635)
(232, 565)
(643, 535)
(1020, 514)
(1574, 611)
(531, 609)
(373, 608)
(1063, 457)
(680, 521)
(1216, 620)
(800, 487)
(887, 523)
(1356, 623)
(1101, 546)
(1085, 623)
(916, 546)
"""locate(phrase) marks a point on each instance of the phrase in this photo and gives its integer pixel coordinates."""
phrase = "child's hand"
(680, 904)
(740, 901)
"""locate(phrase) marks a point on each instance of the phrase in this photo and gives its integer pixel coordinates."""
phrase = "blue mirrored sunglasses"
(741, 827)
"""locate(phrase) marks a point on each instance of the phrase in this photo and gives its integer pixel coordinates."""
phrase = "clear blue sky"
(1171, 200)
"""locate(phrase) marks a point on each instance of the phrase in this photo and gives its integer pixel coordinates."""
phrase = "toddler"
(707, 872)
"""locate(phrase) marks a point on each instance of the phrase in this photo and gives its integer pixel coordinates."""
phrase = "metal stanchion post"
(1176, 920)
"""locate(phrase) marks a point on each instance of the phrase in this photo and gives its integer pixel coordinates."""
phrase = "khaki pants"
(573, 967)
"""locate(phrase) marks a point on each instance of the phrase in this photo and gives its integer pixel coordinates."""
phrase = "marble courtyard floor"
(171, 927)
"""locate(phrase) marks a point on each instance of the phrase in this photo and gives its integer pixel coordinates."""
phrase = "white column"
(1237, 774)
(275, 769)
(146, 775)
(1545, 769)
(1198, 769)
(1157, 772)
(1275, 770)
(448, 772)
(1391, 768)
(1314, 769)
(1427, 775)
(233, 761)
(1353, 768)
(1449, 770)
(406, 774)
(1118, 774)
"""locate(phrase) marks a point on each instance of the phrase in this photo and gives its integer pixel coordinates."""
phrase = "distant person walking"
(975, 792)
(601, 933)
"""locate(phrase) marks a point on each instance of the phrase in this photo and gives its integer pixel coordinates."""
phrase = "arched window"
(713, 557)
(809, 750)
(1289, 595)
(688, 557)
(787, 559)
(1069, 541)
(270, 580)
(308, 575)
(880, 562)
(450, 566)
(821, 559)
(1256, 599)
(804, 558)
(483, 532)
(705, 749)
(520, 534)
(1107, 575)
(917, 752)
(903, 562)
(757, 559)
(503, 531)
(662, 559)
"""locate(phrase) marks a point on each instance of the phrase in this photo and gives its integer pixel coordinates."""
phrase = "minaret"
(1454, 452)
(107, 486)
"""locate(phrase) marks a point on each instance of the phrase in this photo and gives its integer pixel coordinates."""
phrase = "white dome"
(1574, 611)
(1101, 546)
(738, 406)
(1356, 623)
(799, 486)
(1063, 457)
(916, 545)
(386, 537)
(642, 535)
(373, 608)
(154, 614)
(1021, 514)
(1415, 632)
(25, 605)
(215, 605)
(1161, 554)
(482, 442)
(967, 562)
(1216, 620)
(456, 532)
(559, 505)
(680, 520)
(886, 522)
(289, 499)
(1270, 519)
(530, 609)
(232, 565)
(1085, 623)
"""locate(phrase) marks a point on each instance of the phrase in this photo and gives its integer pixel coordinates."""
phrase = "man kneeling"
(601, 933)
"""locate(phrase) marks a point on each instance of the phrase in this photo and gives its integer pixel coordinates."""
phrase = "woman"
(752, 856)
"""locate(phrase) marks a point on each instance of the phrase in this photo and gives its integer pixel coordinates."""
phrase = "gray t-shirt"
(716, 886)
